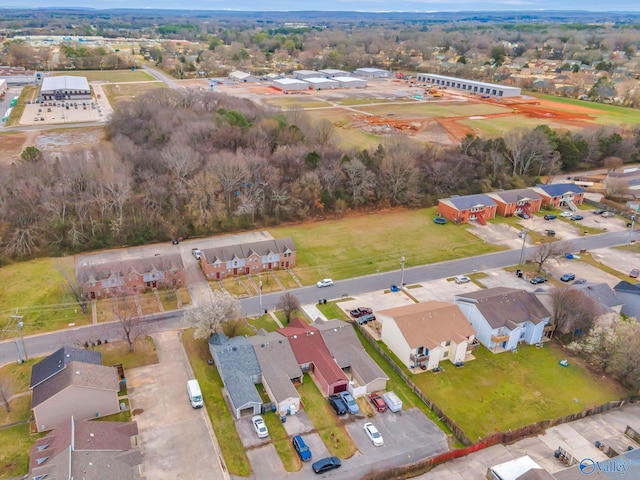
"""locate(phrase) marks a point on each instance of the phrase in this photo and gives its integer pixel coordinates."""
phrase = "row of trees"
(195, 163)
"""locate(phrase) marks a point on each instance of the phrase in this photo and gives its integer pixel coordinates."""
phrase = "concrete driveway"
(175, 440)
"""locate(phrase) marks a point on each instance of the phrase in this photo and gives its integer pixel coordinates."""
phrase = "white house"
(503, 317)
(66, 87)
(424, 334)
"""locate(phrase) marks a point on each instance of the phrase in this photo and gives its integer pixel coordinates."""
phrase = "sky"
(338, 5)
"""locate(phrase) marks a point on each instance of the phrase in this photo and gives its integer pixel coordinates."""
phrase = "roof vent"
(91, 435)
(77, 372)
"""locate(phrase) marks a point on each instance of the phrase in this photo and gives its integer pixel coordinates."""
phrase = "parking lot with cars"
(62, 111)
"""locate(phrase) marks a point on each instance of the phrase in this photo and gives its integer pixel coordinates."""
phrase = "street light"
(260, 294)
(402, 274)
(633, 223)
(523, 234)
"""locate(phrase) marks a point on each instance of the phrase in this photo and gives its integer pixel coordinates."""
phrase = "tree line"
(198, 163)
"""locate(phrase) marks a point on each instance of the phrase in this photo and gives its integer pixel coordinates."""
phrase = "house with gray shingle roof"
(84, 449)
(603, 295)
(629, 294)
(280, 370)
(239, 369)
(351, 357)
(503, 317)
(479, 207)
(58, 361)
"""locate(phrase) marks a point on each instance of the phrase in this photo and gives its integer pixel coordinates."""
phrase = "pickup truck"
(196, 253)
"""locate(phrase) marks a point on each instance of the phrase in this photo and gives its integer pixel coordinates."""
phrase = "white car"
(259, 426)
(325, 282)
(462, 279)
(566, 214)
(373, 434)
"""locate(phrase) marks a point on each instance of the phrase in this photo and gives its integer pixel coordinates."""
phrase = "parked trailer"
(14, 102)
(6, 115)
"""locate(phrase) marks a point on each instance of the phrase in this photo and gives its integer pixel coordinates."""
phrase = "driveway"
(174, 438)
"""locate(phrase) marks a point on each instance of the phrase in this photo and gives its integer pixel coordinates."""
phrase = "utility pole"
(523, 234)
(633, 223)
(20, 323)
(402, 274)
(260, 294)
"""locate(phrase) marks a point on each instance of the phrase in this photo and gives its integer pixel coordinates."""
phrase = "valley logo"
(612, 466)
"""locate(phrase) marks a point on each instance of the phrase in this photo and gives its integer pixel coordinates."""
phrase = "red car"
(378, 402)
(358, 312)
(634, 273)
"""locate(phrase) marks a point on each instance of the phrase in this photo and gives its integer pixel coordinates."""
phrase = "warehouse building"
(470, 86)
(290, 85)
(243, 77)
(17, 75)
(3, 87)
(372, 73)
(322, 83)
(304, 74)
(351, 82)
(65, 88)
(332, 72)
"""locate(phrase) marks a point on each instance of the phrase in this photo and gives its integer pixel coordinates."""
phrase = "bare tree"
(230, 171)
(125, 312)
(181, 160)
(615, 187)
(573, 310)
(6, 390)
(613, 163)
(208, 319)
(548, 250)
(289, 304)
(360, 181)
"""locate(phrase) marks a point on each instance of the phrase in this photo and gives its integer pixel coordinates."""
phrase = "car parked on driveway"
(259, 426)
(566, 214)
(360, 311)
(567, 277)
(337, 404)
(577, 217)
(373, 434)
(369, 317)
(326, 464)
(325, 282)
(378, 402)
(303, 450)
(538, 279)
(580, 281)
(461, 279)
(634, 273)
(550, 216)
(350, 402)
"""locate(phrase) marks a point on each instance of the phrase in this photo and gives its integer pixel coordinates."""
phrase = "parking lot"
(62, 111)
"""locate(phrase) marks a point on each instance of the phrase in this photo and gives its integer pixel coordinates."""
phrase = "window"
(40, 461)
(420, 350)
(446, 354)
(447, 343)
(43, 447)
(40, 477)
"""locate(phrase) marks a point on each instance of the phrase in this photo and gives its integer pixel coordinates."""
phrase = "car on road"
(599, 211)
(607, 214)
(461, 279)
(577, 217)
(350, 402)
(196, 253)
(378, 402)
(373, 434)
(326, 464)
(580, 281)
(567, 277)
(538, 279)
(566, 214)
(301, 448)
(360, 311)
(634, 273)
(337, 404)
(259, 426)
(325, 282)
(550, 216)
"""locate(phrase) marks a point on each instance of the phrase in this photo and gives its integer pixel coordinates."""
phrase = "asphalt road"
(39, 345)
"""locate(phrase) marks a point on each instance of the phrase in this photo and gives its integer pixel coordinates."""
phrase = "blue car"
(326, 464)
(567, 277)
(301, 448)
(350, 402)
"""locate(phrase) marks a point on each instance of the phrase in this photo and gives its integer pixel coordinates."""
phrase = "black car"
(599, 211)
(550, 216)
(577, 217)
(337, 404)
(538, 279)
(326, 464)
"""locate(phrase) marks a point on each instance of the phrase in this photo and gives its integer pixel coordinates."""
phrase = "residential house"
(249, 258)
(479, 207)
(502, 317)
(629, 294)
(558, 195)
(313, 356)
(82, 449)
(239, 369)
(279, 369)
(102, 279)
(365, 375)
(603, 295)
(72, 383)
(424, 334)
(522, 201)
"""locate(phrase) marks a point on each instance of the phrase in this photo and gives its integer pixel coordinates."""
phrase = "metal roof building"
(304, 74)
(317, 83)
(351, 82)
(372, 72)
(470, 86)
(65, 88)
(290, 84)
(332, 72)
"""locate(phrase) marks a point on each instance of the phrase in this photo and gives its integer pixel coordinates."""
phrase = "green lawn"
(265, 322)
(495, 393)
(110, 75)
(115, 352)
(333, 311)
(29, 92)
(14, 454)
(223, 424)
(338, 248)
(282, 442)
(295, 102)
(122, 92)
(439, 109)
(497, 126)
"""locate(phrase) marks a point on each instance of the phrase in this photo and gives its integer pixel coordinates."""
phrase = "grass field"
(345, 137)
(607, 114)
(115, 76)
(498, 126)
(439, 109)
(282, 443)
(14, 456)
(495, 393)
(265, 322)
(289, 103)
(124, 92)
(338, 249)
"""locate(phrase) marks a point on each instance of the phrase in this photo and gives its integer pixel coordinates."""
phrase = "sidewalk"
(313, 312)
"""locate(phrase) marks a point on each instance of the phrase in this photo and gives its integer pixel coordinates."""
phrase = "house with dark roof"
(425, 334)
(523, 201)
(603, 295)
(558, 195)
(103, 279)
(629, 294)
(479, 207)
(365, 375)
(313, 356)
(249, 258)
(65, 385)
(84, 449)
(239, 369)
(279, 369)
(503, 317)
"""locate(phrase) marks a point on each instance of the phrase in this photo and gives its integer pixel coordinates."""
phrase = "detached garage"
(290, 85)
(351, 82)
(322, 83)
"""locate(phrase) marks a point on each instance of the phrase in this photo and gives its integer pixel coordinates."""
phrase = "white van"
(195, 395)
(393, 402)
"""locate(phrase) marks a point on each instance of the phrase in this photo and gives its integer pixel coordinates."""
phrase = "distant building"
(318, 83)
(470, 86)
(331, 73)
(351, 82)
(304, 74)
(372, 73)
(243, 77)
(290, 85)
(17, 75)
(65, 88)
